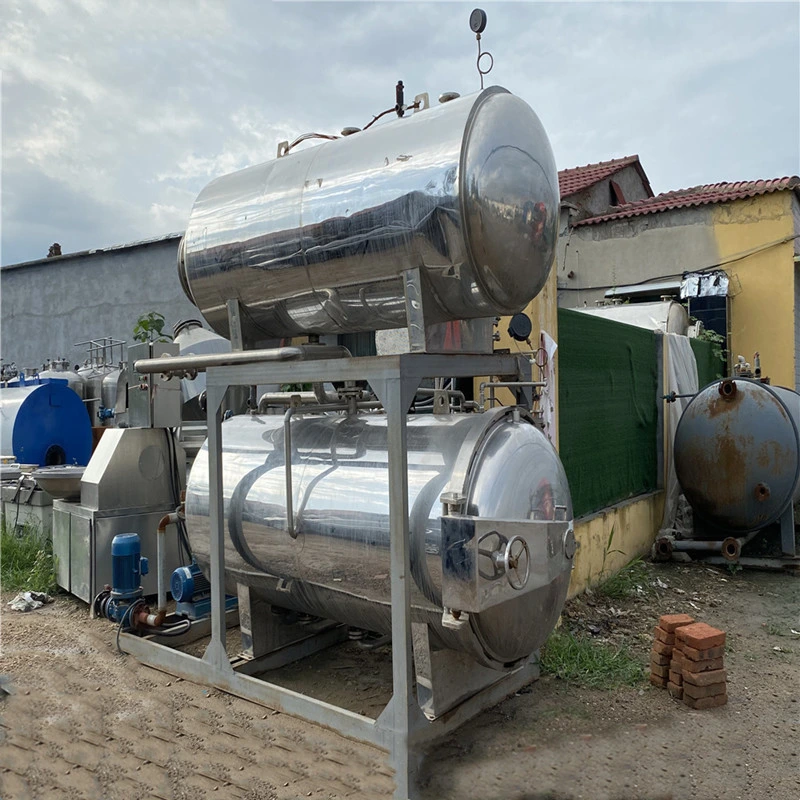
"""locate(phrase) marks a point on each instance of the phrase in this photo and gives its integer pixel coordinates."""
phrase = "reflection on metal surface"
(338, 566)
(737, 453)
(318, 241)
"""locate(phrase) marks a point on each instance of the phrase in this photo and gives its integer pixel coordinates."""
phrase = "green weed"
(585, 662)
(629, 581)
(26, 560)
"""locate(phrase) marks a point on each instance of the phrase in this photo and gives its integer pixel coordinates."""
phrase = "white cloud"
(123, 111)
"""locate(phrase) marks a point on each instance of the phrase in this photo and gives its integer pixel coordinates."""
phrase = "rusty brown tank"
(737, 454)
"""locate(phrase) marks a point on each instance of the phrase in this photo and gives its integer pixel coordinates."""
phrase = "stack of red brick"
(687, 659)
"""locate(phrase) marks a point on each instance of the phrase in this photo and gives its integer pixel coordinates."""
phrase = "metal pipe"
(201, 362)
(711, 545)
(287, 460)
(456, 393)
(285, 399)
(161, 548)
(287, 445)
(506, 385)
(321, 395)
(730, 548)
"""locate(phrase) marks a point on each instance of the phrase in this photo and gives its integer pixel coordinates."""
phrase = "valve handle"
(515, 551)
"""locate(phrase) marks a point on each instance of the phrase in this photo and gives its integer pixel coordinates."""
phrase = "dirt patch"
(87, 722)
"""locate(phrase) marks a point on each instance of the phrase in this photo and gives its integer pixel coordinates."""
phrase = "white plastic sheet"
(704, 284)
(548, 402)
(680, 376)
(29, 601)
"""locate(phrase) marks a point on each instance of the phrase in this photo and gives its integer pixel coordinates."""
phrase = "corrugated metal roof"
(696, 196)
(576, 179)
(56, 259)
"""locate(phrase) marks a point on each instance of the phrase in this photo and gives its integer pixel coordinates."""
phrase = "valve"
(515, 561)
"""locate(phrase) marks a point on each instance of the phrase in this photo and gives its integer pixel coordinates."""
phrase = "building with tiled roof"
(641, 248)
(694, 196)
(593, 189)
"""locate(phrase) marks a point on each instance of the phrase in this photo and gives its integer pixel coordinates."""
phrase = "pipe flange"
(731, 549)
(663, 549)
(727, 389)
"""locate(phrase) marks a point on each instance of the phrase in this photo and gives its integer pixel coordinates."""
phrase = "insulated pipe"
(201, 362)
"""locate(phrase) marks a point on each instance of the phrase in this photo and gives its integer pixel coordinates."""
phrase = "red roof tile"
(574, 180)
(696, 196)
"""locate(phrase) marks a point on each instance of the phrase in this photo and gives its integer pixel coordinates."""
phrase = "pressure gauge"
(477, 20)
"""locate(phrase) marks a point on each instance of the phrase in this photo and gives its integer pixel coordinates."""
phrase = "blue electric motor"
(192, 592)
(127, 567)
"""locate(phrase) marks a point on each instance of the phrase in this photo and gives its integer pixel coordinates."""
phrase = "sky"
(116, 114)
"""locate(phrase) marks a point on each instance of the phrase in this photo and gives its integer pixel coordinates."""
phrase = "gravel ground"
(87, 722)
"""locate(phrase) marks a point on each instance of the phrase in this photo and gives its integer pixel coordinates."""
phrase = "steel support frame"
(401, 727)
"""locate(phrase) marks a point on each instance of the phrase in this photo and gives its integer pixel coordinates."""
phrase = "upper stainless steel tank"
(737, 453)
(338, 566)
(317, 241)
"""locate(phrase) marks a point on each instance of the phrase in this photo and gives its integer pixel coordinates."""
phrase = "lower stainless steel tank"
(317, 241)
(737, 454)
(338, 566)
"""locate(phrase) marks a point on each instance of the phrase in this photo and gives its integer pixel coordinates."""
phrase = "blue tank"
(44, 424)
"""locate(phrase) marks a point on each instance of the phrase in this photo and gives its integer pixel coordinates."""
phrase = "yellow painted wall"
(762, 310)
(635, 524)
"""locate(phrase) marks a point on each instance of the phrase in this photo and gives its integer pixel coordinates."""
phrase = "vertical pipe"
(160, 559)
(287, 461)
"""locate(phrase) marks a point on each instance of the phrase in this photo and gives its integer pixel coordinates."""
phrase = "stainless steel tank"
(112, 395)
(737, 454)
(317, 241)
(338, 566)
(94, 374)
(59, 368)
(666, 316)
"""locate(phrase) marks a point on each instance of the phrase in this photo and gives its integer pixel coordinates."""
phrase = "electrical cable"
(128, 610)
(307, 136)
(175, 480)
(415, 105)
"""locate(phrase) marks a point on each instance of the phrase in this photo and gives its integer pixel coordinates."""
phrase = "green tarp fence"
(608, 409)
(710, 364)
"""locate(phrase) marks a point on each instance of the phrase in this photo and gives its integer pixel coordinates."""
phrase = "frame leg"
(787, 532)
(254, 619)
(216, 652)
(402, 713)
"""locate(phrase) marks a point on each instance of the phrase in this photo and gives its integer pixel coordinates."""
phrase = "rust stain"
(775, 459)
(720, 404)
(713, 473)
